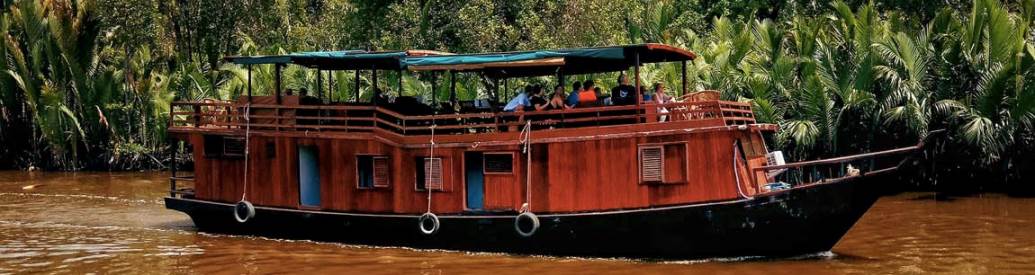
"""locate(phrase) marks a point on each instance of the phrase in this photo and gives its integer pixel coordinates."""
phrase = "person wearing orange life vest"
(588, 95)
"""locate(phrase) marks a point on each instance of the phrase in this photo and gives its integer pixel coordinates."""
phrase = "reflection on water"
(115, 223)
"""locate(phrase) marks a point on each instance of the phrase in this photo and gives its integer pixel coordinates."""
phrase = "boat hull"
(791, 222)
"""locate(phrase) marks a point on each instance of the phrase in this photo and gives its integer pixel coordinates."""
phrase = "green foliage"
(88, 84)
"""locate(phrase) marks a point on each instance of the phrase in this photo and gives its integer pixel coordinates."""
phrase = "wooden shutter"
(381, 173)
(433, 173)
(498, 163)
(652, 164)
(233, 146)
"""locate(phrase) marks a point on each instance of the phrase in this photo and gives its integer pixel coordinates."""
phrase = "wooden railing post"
(172, 169)
(197, 115)
(172, 117)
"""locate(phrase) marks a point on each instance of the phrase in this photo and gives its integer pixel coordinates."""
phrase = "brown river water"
(116, 223)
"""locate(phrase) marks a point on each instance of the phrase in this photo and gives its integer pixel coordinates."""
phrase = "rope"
(526, 137)
(432, 156)
(736, 172)
(247, 148)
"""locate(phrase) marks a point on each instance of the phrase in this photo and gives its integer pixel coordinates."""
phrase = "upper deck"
(297, 116)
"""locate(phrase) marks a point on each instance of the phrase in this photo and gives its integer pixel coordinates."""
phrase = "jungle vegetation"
(87, 84)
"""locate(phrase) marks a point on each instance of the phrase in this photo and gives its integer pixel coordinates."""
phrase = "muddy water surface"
(116, 223)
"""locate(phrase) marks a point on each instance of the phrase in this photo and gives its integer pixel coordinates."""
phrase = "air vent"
(433, 173)
(652, 164)
(381, 174)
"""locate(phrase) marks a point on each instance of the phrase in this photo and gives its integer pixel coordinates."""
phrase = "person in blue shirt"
(519, 101)
(573, 97)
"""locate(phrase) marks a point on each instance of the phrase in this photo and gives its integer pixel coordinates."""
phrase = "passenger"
(623, 94)
(381, 98)
(557, 100)
(289, 92)
(538, 101)
(573, 97)
(644, 97)
(519, 101)
(588, 96)
(660, 97)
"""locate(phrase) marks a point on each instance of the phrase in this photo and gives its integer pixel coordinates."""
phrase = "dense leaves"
(87, 84)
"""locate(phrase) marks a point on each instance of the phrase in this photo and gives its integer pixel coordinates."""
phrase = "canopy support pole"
(277, 68)
(496, 94)
(375, 77)
(331, 91)
(434, 88)
(319, 84)
(452, 87)
(400, 82)
(684, 79)
(562, 80)
(355, 85)
(249, 84)
(639, 97)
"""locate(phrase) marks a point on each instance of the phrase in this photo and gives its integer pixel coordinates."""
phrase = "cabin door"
(308, 176)
(474, 179)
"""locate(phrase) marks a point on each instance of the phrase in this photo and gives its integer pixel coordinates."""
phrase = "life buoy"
(243, 211)
(424, 221)
(530, 219)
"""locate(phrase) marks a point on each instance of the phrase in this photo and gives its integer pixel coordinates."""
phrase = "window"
(429, 173)
(223, 146)
(233, 146)
(213, 146)
(271, 150)
(663, 163)
(499, 163)
(372, 172)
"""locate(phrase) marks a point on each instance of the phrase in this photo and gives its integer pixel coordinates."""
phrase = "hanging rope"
(527, 223)
(526, 137)
(431, 165)
(736, 168)
(429, 217)
(244, 210)
(247, 148)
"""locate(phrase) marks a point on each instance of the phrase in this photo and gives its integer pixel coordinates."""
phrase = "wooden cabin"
(307, 153)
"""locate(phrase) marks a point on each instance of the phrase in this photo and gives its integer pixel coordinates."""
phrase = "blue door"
(308, 176)
(475, 179)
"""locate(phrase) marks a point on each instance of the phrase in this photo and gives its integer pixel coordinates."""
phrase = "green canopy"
(337, 60)
(550, 62)
(503, 64)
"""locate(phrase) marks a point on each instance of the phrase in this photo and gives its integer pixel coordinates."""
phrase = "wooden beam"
(277, 79)
(249, 83)
(452, 87)
(355, 85)
(684, 79)
(639, 97)
(434, 86)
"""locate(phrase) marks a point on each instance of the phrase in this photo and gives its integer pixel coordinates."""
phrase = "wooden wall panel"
(584, 175)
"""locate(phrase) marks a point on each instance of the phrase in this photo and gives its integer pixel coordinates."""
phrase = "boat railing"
(776, 177)
(353, 118)
(179, 188)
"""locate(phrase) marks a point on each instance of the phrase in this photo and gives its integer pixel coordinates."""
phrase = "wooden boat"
(615, 181)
